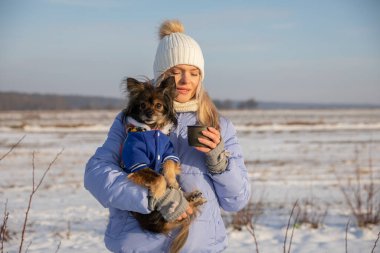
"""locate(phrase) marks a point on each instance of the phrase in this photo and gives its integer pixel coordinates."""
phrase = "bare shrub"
(244, 217)
(311, 213)
(362, 197)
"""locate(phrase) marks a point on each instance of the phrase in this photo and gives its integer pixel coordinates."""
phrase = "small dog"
(150, 111)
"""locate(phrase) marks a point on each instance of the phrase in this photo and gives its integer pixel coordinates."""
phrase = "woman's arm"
(107, 182)
(232, 186)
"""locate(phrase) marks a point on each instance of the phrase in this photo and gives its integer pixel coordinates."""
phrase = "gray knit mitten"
(171, 205)
(217, 159)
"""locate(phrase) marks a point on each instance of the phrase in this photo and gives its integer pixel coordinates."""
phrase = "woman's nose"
(184, 77)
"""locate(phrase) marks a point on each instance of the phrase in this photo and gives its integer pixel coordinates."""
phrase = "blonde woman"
(217, 170)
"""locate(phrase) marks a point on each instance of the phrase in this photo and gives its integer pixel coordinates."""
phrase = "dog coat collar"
(135, 126)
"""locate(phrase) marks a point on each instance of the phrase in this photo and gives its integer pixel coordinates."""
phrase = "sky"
(299, 51)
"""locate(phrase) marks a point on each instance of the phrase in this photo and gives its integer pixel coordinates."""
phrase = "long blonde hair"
(207, 113)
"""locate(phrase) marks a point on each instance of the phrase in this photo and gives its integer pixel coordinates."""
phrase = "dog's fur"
(153, 106)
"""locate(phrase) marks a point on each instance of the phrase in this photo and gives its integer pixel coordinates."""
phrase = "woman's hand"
(213, 140)
(189, 211)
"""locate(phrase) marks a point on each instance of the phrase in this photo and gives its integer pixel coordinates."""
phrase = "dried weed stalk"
(294, 225)
(4, 233)
(346, 240)
(12, 147)
(246, 218)
(251, 230)
(35, 188)
(374, 246)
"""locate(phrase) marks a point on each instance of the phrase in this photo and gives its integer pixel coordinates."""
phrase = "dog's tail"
(195, 199)
(181, 237)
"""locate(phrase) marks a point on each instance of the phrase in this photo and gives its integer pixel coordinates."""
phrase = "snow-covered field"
(303, 155)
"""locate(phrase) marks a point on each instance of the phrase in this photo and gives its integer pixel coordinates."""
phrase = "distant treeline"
(26, 101)
(31, 101)
(233, 104)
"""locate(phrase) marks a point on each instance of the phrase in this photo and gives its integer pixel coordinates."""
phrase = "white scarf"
(189, 106)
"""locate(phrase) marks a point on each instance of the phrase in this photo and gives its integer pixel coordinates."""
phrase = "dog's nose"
(149, 113)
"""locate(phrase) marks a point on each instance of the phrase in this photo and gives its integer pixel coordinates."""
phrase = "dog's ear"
(168, 87)
(133, 86)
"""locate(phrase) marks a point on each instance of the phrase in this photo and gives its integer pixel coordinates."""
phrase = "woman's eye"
(175, 72)
(158, 106)
(195, 74)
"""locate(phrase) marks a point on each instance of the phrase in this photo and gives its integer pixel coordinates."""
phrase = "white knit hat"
(175, 48)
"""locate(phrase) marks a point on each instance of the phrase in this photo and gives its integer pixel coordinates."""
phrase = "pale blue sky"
(325, 51)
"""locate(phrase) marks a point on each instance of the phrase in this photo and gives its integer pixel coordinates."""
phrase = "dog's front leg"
(150, 179)
(170, 171)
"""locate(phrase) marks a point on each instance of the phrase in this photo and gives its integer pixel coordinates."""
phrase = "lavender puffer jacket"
(109, 185)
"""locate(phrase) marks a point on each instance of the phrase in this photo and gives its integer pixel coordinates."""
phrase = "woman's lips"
(182, 90)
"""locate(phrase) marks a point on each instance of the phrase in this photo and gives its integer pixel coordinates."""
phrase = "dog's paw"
(174, 184)
(193, 195)
(196, 198)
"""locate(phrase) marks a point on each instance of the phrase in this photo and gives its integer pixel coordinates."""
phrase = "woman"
(217, 170)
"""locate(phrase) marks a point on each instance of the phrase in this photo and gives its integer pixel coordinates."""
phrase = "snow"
(291, 155)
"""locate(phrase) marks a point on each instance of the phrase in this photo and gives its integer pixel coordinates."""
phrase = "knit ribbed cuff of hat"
(171, 205)
(217, 159)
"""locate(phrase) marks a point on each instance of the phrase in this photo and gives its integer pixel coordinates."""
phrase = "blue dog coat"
(146, 148)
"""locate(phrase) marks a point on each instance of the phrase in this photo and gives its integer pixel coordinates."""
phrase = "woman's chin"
(182, 99)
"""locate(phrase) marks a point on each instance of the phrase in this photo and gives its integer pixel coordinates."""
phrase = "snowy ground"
(291, 155)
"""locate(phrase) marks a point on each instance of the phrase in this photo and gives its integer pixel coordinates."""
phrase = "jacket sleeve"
(232, 187)
(106, 181)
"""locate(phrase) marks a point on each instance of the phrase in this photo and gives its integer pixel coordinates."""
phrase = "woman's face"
(187, 78)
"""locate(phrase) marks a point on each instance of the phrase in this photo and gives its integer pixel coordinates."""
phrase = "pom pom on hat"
(176, 48)
(170, 26)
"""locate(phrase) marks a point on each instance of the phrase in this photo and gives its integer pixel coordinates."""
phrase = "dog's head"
(149, 104)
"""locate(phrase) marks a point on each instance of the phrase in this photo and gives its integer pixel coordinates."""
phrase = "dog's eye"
(142, 105)
(158, 106)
